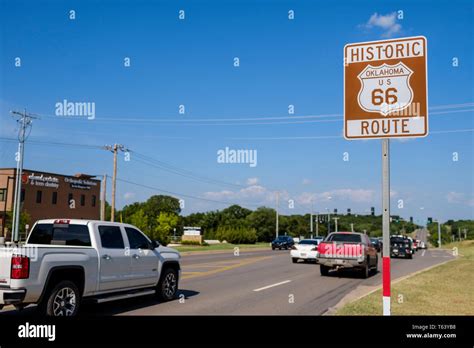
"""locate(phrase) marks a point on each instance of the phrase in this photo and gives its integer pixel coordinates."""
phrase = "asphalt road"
(254, 283)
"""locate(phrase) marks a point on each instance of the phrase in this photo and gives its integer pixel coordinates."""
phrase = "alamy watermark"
(228, 155)
(81, 109)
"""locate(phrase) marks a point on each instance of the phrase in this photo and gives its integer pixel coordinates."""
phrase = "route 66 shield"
(385, 88)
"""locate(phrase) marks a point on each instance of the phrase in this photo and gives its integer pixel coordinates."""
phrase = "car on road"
(306, 250)
(400, 247)
(412, 244)
(283, 242)
(377, 244)
(66, 261)
(347, 250)
(422, 245)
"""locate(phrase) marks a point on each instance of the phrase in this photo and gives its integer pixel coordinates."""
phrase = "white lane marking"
(423, 254)
(272, 285)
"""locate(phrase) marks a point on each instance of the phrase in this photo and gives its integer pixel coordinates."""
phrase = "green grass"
(443, 290)
(224, 246)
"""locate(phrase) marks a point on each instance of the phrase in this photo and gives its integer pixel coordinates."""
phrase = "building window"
(22, 196)
(69, 198)
(93, 200)
(55, 198)
(39, 195)
(3, 193)
(83, 200)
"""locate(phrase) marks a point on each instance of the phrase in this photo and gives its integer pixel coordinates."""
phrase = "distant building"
(49, 195)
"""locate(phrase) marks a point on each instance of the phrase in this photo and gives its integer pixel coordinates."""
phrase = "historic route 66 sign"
(385, 89)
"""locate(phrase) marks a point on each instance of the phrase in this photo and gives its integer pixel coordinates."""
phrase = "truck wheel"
(324, 270)
(168, 285)
(364, 273)
(62, 300)
(409, 256)
(376, 267)
(294, 259)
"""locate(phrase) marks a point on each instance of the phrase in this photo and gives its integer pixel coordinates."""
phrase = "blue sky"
(282, 62)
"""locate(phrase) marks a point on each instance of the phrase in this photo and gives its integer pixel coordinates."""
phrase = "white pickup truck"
(66, 261)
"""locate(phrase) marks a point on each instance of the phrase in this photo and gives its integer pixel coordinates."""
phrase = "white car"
(306, 249)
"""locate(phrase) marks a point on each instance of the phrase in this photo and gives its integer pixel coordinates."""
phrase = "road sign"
(385, 89)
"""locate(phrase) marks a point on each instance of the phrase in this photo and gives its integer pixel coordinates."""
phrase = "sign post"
(385, 96)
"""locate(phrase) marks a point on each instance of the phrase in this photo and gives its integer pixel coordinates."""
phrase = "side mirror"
(155, 244)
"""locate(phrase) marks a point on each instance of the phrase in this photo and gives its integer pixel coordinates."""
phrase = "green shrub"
(239, 235)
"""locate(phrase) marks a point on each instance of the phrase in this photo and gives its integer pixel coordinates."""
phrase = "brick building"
(48, 195)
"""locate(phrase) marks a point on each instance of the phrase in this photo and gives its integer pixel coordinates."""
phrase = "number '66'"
(390, 97)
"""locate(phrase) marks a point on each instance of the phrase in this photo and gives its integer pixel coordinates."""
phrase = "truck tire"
(324, 270)
(409, 256)
(294, 259)
(168, 285)
(364, 272)
(63, 299)
(376, 267)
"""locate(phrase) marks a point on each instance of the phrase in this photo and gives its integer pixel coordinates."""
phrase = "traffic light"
(348, 211)
(335, 211)
(430, 220)
(372, 211)
(411, 219)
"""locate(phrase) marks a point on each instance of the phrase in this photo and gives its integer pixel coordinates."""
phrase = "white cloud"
(353, 195)
(459, 198)
(387, 23)
(455, 197)
(128, 195)
(252, 181)
(306, 182)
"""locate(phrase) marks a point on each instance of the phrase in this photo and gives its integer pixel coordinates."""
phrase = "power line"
(259, 120)
(181, 194)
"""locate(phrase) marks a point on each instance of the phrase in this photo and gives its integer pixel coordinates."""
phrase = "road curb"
(355, 295)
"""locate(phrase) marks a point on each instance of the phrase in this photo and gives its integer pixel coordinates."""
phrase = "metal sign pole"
(386, 224)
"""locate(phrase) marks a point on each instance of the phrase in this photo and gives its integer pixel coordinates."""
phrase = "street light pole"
(335, 220)
(439, 234)
(277, 204)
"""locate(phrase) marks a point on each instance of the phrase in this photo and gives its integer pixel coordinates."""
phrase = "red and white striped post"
(386, 225)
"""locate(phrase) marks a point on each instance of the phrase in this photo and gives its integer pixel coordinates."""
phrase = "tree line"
(159, 217)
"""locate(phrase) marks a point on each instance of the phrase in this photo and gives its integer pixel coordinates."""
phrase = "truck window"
(64, 234)
(345, 237)
(111, 237)
(136, 239)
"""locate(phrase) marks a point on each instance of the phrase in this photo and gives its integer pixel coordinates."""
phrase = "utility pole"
(103, 198)
(352, 227)
(335, 220)
(115, 150)
(277, 204)
(311, 219)
(317, 225)
(25, 121)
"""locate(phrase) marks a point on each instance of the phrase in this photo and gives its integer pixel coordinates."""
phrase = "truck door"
(144, 259)
(114, 265)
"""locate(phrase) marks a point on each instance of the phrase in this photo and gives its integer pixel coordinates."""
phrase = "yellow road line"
(225, 268)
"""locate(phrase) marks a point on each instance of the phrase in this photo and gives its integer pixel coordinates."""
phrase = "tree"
(263, 220)
(140, 220)
(160, 203)
(25, 219)
(165, 222)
